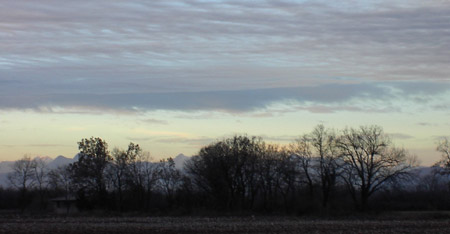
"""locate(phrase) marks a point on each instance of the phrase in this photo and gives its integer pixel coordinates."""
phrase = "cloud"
(235, 56)
(234, 100)
(196, 142)
(159, 133)
(36, 145)
(439, 138)
(155, 121)
(282, 138)
(427, 124)
(139, 139)
(400, 136)
(422, 88)
(326, 98)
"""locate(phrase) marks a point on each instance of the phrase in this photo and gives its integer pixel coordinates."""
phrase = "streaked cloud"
(155, 121)
(76, 128)
(400, 136)
(195, 141)
(337, 96)
(35, 145)
(143, 131)
(427, 124)
(139, 139)
(222, 55)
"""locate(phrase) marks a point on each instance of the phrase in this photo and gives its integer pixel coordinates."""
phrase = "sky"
(176, 75)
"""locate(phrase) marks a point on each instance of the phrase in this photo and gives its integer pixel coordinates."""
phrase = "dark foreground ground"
(389, 224)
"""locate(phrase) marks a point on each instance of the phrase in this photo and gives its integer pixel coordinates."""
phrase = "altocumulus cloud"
(234, 56)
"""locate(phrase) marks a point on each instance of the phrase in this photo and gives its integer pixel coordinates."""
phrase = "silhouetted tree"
(143, 177)
(60, 179)
(301, 150)
(23, 178)
(326, 152)
(370, 161)
(120, 170)
(444, 147)
(40, 171)
(268, 180)
(226, 170)
(88, 173)
(277, 174)
(170, 179)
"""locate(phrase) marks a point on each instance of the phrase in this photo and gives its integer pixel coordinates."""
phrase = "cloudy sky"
(173, 76)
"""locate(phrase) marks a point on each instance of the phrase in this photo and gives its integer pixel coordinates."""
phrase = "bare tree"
(143, 177)
(268, 169)
(40, 171)
(326, 152)
(169, 179)
(282, 171)
(60, 179)
(23, 178)
(444, 148)
(301, 149)
(370, 161)
(120, 170)
(318, 155)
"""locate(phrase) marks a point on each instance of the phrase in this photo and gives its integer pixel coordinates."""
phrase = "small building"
(64, 204)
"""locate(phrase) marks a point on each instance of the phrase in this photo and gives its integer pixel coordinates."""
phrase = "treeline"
(325, 171)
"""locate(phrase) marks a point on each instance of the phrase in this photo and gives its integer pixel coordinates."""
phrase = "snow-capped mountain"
(180, 160)
(6, 166)
(60, 161)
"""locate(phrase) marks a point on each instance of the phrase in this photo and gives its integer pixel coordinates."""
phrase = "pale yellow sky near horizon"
(166, 134)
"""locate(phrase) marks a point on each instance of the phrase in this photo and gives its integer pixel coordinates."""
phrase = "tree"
(277, 175)
(143, 177)
(302, 152)
(40, 171)
(88, 172)
(23, 178)
(60, 180)
(444, 147)
(326, 151)
(370, 161)
(120, 170)
(266, 170)
(226, 171)
(169, 179)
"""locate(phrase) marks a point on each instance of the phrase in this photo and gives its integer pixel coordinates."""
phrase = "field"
(220, 225)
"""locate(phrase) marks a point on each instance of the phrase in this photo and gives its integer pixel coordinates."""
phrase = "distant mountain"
(180, 160)
(436, 175)
(6, 166)
(46, 159)
(60, 161)
(4, 180)
(76, 157)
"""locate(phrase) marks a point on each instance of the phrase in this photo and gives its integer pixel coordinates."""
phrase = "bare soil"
(218, 225)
